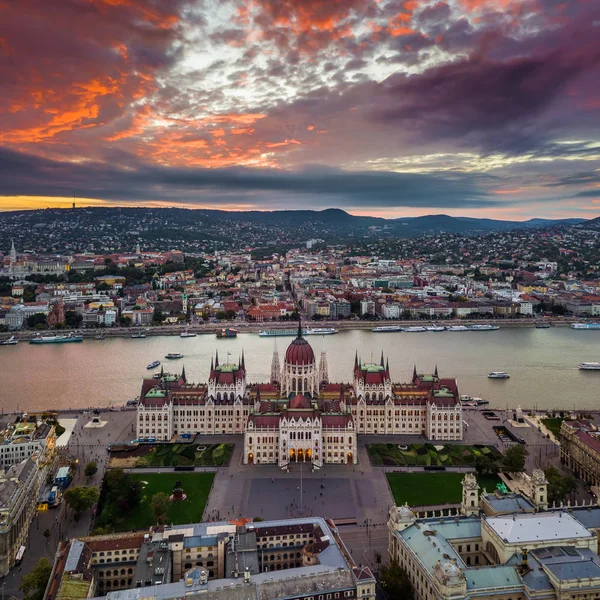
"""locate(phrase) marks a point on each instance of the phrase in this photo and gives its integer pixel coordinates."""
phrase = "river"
(542, 364)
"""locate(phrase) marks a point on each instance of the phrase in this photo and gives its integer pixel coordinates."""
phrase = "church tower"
(138, 250)
(323, 369)
(275, 368)
(13, 258)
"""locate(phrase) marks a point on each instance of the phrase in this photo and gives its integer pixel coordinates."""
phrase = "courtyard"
(455, 455)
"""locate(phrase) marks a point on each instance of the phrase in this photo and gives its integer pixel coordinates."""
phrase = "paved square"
(280, 498)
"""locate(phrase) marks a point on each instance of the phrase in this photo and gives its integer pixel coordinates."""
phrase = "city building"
(299, 416)
(295, 559)
(22, 439)
(500, 545)
(580, 450)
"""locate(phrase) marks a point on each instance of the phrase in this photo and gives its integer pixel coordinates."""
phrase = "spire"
(162, 371)
(415, 373)
(275, 368)
(387, 365)
(323, 368)
(212, 367)
(216, 359)
(382, 361)
(243, 363)
(435, 373)
(299, 326)
(183, 374)
(356, 360)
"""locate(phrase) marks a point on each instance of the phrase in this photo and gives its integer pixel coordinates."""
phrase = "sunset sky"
(392, 108)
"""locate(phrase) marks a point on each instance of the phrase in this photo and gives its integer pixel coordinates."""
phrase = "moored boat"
(56, 339)
(585, 326)
(498, 375)
(153, 364)
(542, 325)
(415, 329)
(294, 332)
(435, 328)
(227, 333)
(457, 328)
(100, 336)
(11, 341)
(187, 334)
(386, 329)
(174, 355)
(138, 336)
(484, 327)
(589, 366)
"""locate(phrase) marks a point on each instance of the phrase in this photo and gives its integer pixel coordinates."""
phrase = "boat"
(227, 333)
(585, 326)
(416, 329)
(542, 325)
(174, 355)
(138, 336)
(101, 336)
(484, 327)
(387, 329)
(457, 328)
(294, 332)
(589, 366)
(56, 339)
(435, 328)
(498, 375)
(480, 401)
(187, 334)
(153, 365)
(11, 341)
(156, 376)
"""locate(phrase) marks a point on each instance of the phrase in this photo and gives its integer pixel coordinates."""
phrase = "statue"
(177, 495)
(501, 487)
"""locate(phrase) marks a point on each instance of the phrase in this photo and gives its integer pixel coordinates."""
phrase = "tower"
(323, 369)
(470, 496)
(138, 250)
(275, 367)
(539, 489)
(13, 252)
(299, 374)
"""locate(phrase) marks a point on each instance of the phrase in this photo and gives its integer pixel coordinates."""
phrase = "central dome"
(299, 352)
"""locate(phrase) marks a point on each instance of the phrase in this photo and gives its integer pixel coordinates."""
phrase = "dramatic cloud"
(474, 104)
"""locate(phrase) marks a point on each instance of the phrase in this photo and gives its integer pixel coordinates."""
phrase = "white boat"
(387, 329)
(484, 327)
(589, 366)
(585, 326)
(435, 328)
(320, 331)
(11, 341)
(174, 355)
(186, 334)
(457, 328)
(498, 375)
(294, 332)
(415, 329)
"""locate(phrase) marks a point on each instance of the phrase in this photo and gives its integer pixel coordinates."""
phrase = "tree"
(34, 584)
(81, 498)
(257, 520)
(91, 468)
(559, 486)
(513, 459)
(395, 582)
(484, 465)
(72, 319)
(160, 503)
(36, 319)
(158, 316)
(47, 533)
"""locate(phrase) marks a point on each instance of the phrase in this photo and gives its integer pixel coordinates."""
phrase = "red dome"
(299, 352)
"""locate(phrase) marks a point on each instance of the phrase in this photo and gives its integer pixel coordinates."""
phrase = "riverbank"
(247, 327)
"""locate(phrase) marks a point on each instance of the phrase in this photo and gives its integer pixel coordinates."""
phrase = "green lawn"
(173, 455)
(422, 489)
(553, 424)
(196, 486)
(427, 454)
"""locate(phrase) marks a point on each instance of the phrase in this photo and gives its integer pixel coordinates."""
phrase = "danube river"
(542, 364)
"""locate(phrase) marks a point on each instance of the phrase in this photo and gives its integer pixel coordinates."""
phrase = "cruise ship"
(387, 329)
(435, 328)
(457, 328)
(589, 366)
(484, 327)
(585, 326)
(187, 334)
(294, 332)
(56, 339)
(498, 375)
(415, 329)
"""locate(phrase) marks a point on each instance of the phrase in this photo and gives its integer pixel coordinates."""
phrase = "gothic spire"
(382, 363)
(415, 372)
(243, 360)
(216, 358)
(435, 373)
(356, 360)
(183, 374)
(299, 326)
(387, 365)
(212, 367)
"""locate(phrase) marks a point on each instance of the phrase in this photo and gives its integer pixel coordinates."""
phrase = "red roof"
(300, 401)
(299, 352)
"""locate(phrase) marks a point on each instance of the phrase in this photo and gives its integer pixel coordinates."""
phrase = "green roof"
(372, 368)
(226, 368)
(73, 589)
(156, 393)
(443, 393)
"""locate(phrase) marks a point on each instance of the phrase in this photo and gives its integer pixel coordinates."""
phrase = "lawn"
(423, 489)
(553, 424)
(186, 455)
(196, 486)
(428, 454)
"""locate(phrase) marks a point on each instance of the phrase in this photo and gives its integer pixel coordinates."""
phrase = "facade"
(504, 546)
(294, 559)
(19, 441)
(300, 416)
(580, 450)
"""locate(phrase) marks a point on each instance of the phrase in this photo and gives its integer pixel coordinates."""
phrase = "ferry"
(56, 339)
(153, 365)
(457, 328)
(174, 355)
(589, 366)
(294, 332)
(435, 328)
(484, 327)
(227, 333)
(138, 336)
(11, 341)
(585, 326)
(387, 329)
(498, 375)
(187, 334)
(416, 329)
(472, 401)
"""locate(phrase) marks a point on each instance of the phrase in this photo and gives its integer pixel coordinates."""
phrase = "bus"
(19, 556)
(54, 497)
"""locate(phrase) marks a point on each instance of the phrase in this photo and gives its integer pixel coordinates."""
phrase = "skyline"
(483, 108)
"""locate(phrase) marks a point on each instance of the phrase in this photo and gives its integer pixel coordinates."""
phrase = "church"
(300, 416)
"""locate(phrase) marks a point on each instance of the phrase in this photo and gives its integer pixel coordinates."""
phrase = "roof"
(537, 527)
(509, 503)
(494, 576)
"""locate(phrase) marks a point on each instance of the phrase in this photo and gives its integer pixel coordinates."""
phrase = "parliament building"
(300, 416)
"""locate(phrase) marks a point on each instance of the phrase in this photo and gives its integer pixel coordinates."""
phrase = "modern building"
(506, 546)
(300, 416)
(294, 559)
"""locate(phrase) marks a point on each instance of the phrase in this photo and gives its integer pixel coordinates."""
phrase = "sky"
(391, 108)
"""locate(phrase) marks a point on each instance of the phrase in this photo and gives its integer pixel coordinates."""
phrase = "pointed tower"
(13, 252)
(323, 369)
(414, 373)
(183, 375)
(138, 250)
(382, 362)
(216, 359)
(275, 367)
(435, 373)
